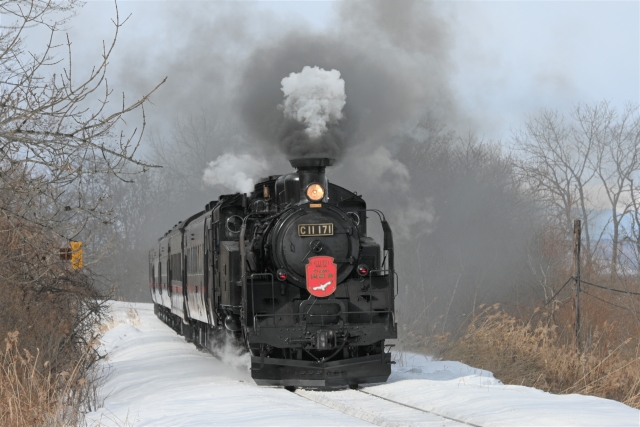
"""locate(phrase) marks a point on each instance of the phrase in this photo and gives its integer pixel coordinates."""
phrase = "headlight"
(315, 192)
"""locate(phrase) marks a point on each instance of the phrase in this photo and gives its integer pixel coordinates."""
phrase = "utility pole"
(577, 232)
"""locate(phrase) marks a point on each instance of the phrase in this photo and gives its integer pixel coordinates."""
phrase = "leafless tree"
(568, 163)
(474, 250)
(146, 207)
(196, 140)
(47, 126)
(616, 162)
(58, 134)
(552, 158)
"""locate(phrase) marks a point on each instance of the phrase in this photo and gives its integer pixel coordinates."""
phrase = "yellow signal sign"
(76, 255)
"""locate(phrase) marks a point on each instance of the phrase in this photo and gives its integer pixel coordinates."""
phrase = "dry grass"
(49, 320)
(32, 394)
(535, 353)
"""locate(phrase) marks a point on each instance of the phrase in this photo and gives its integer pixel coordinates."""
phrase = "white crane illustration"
(321, 287)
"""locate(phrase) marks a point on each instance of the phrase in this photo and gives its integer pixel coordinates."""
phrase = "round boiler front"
(309, 232)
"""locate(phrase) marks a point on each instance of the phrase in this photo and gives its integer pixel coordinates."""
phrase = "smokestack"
(311, 163)
(309, 171)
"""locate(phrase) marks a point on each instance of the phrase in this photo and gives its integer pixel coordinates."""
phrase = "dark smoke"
(386, 84)
(461, 227)
(224, 59)
(293, 140)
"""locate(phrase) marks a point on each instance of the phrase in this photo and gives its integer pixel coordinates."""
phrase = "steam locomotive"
(289, 272)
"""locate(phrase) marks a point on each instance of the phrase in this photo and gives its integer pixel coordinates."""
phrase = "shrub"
(536, 353)
(32, 393)
(50, 315)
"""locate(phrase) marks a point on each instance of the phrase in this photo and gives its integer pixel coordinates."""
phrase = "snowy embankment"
(157, 379)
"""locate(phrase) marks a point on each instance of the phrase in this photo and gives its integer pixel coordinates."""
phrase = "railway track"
(379, 410)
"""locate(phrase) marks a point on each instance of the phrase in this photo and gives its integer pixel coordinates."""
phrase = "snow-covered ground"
(157, 379)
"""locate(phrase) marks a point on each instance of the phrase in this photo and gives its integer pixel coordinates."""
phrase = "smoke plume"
(313, 98)
(236, 173)
(395, 65)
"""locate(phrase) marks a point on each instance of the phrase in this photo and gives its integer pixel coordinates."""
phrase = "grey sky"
(515, 57)
(509, 57)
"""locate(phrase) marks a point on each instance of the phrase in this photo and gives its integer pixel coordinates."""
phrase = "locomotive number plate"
(305, 230)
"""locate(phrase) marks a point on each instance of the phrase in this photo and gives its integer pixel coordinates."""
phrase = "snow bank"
(473, 395)
(157, 379)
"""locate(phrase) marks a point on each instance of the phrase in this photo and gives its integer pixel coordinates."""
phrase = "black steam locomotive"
(289, 272)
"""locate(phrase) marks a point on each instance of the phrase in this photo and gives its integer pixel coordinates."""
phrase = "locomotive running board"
(302, 373)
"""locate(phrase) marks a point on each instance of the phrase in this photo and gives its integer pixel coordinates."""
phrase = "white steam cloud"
(232, 355)
(314, 97)
(235, 172)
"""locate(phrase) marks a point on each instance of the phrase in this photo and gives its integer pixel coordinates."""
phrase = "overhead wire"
(609, 289)
(606, 302)
(593, 296)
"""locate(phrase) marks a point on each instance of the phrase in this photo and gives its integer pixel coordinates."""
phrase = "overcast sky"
(514, 57)
(509, 58)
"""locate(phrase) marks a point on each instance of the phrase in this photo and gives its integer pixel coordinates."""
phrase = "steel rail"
(419, 409)
(369, 416)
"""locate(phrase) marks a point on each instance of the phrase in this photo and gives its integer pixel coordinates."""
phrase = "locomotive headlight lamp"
(315, 192)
